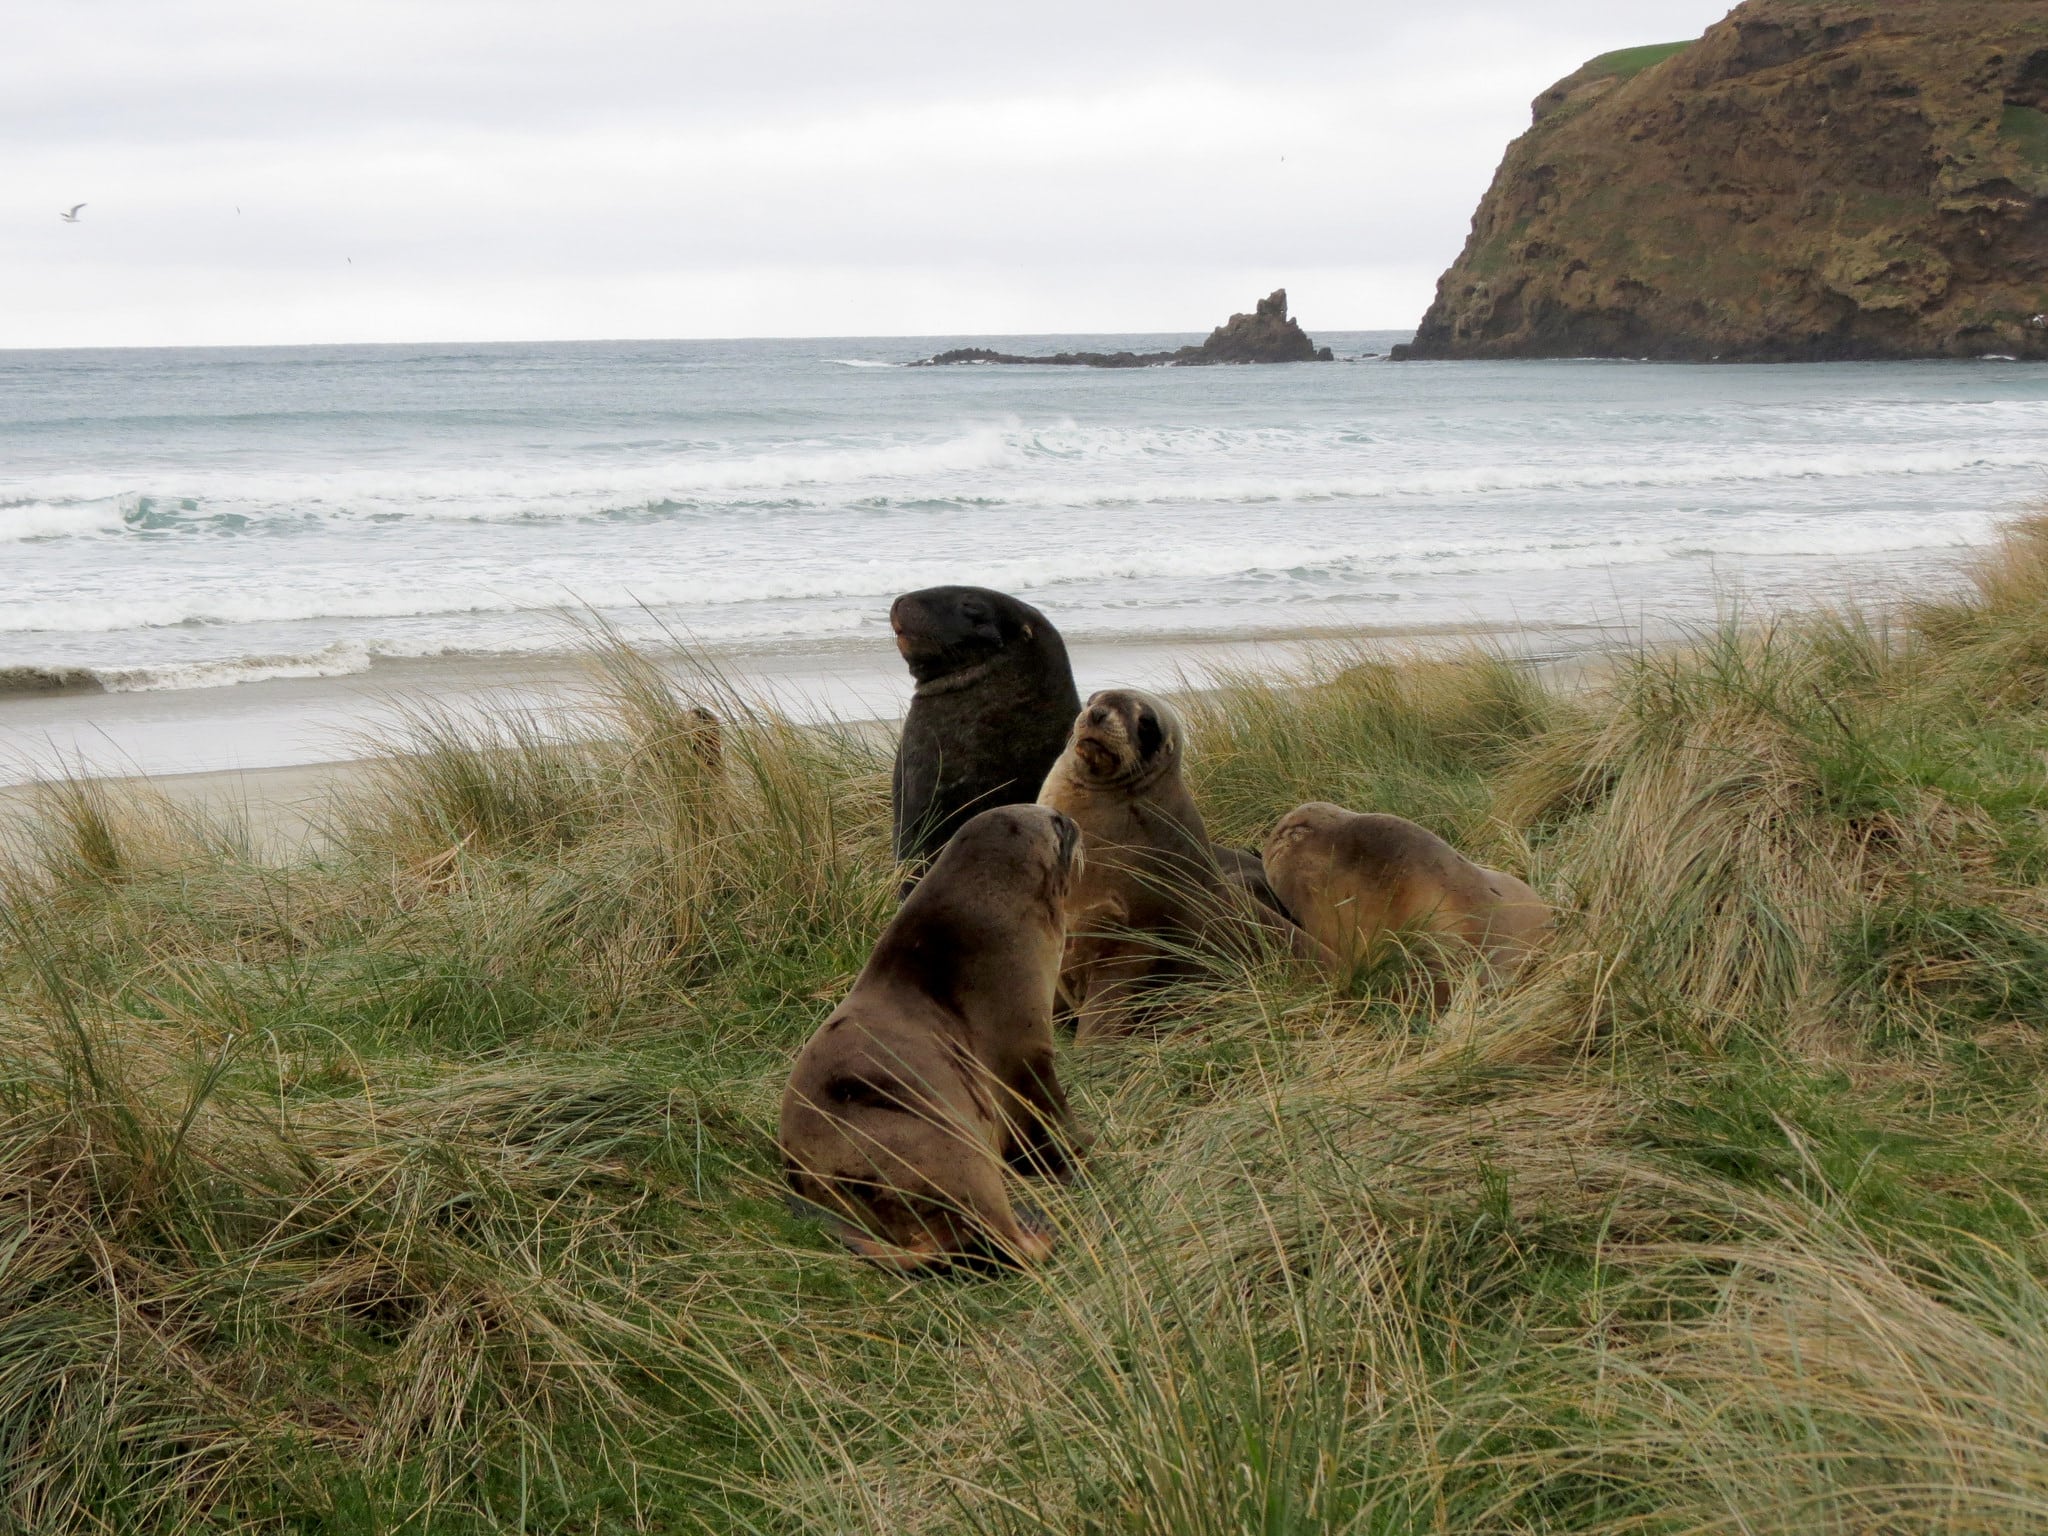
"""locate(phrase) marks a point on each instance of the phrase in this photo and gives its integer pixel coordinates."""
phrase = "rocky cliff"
(1266, 335)
(1811, 179)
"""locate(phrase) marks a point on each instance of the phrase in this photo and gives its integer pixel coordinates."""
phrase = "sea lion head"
(1124, 739)
(942, 631)
(1318, 818)
(1033, 851)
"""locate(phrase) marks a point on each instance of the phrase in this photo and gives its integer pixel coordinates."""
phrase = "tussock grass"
(426, 1183)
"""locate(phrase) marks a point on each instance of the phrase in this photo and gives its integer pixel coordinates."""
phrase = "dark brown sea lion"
(1356, 880)
(935, 1076)
(1155, 888)
(995, 696)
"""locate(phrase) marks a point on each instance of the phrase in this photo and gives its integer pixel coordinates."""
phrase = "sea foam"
(301, 513)
(987, 467)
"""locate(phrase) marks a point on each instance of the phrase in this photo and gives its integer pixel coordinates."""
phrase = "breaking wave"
(1049, 468)
(344, 658)
(1305, 564)
(196, 522)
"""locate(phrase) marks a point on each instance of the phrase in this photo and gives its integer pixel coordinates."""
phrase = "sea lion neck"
(1135, 782)
(953, 682)
(953, 951)
(1017, 659)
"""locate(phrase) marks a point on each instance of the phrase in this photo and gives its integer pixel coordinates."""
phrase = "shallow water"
(182, 518)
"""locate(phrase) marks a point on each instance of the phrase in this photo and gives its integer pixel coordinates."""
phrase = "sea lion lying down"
(1154, 886)
(935, 1075)
(1352, 880)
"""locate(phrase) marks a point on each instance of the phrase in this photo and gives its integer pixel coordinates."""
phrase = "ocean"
(192, 518)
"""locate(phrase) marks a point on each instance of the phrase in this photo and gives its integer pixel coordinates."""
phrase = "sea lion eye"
(1150, 736)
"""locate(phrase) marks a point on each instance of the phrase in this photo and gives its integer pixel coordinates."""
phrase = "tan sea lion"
(1154, 886)
(937, 1070)
(1354, 879)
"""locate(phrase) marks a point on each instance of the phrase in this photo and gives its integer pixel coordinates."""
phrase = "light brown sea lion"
(1354, 880)
(1154, 887)
(937, 1070)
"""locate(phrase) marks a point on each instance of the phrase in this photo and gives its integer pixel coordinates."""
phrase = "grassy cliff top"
(1628, 62)
(1599, 75)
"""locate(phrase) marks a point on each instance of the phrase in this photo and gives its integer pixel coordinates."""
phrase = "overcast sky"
(464, 170)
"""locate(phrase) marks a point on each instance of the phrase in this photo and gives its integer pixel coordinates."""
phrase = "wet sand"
(272, 753)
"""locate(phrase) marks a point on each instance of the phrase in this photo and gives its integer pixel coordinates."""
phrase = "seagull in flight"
(70, 216)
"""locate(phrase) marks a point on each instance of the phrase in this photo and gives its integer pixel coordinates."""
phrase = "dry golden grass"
(426, 1183)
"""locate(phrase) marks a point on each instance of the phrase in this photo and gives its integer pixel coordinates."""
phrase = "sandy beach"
(271, 753)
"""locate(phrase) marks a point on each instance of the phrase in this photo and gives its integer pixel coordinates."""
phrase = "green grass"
(2027, 127)
(1626, 63)
(426, 1183)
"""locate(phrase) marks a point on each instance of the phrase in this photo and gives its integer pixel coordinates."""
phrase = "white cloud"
(464, 171)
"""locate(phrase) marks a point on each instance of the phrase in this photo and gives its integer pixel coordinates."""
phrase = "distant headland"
(1808, 181)
(1266, 335)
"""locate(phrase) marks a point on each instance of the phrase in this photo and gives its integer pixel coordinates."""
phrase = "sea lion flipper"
(836, 1226)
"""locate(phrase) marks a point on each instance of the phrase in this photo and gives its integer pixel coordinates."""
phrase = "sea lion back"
(1354, 879)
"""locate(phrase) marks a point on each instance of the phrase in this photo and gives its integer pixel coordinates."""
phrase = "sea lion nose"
(1099, 715)
(898, 611)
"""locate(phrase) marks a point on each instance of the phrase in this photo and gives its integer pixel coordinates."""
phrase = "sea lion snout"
(944, 630)
(1121, 731)
(1101, 743)
(912, 625)
(1101, 739)
(944, 615)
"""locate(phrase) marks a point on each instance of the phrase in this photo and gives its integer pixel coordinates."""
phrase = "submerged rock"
(1812, 179)
(1266, 335)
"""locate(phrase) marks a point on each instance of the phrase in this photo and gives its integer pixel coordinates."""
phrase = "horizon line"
(530, 341)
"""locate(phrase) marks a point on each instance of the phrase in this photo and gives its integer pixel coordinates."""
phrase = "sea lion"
(995, 696)
(1154, 886)
(937, 1070)
(1352, 879)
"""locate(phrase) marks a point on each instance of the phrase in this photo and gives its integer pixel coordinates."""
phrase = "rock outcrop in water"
(1266, 335)
(1812, 179)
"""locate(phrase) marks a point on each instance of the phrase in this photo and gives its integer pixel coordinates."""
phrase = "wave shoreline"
(352, 659)
(307, 718)
(269, 506)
